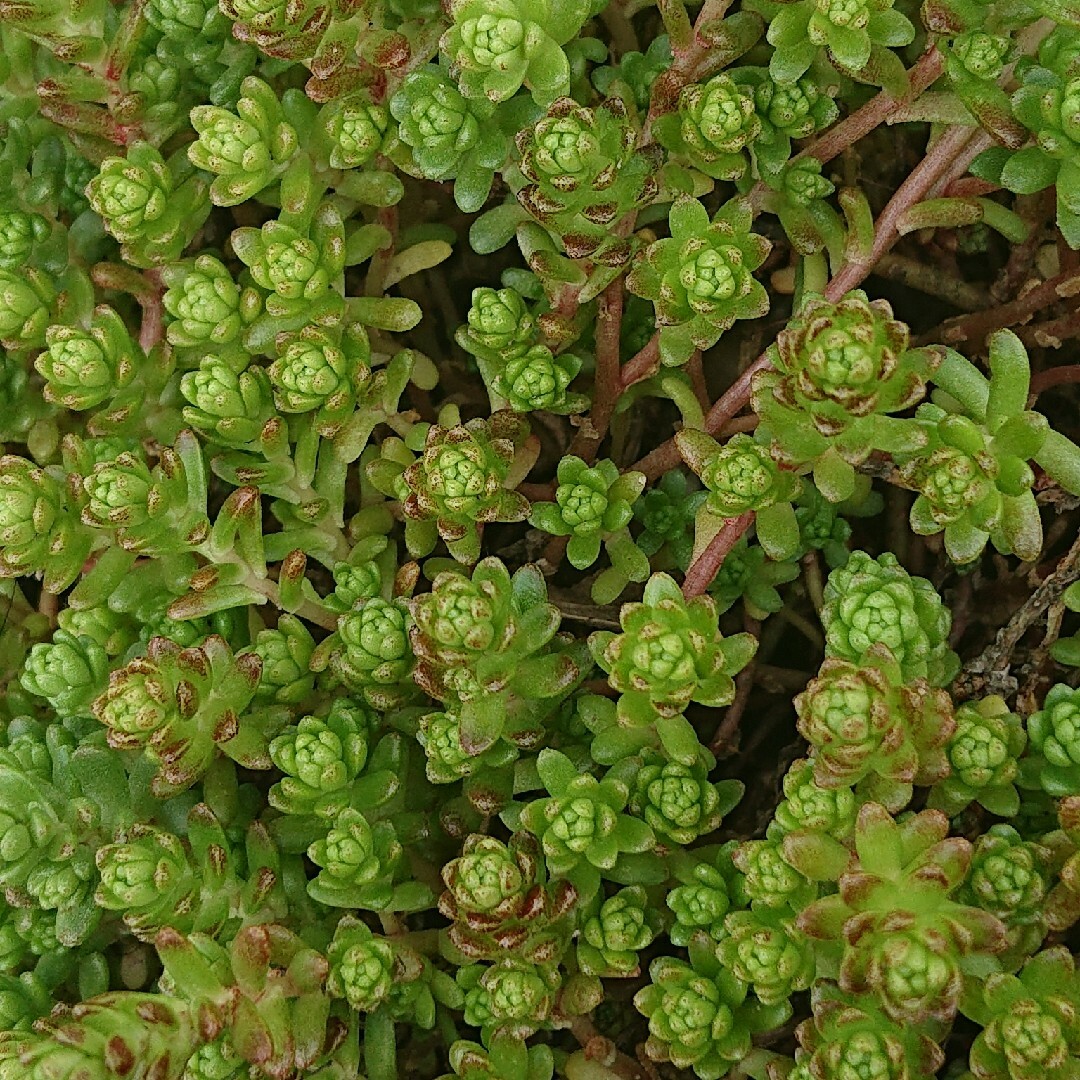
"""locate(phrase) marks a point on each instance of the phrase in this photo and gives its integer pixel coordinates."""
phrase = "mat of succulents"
(539, 540)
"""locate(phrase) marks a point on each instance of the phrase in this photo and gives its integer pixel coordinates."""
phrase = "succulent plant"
(843, 1040)
(319, 759)
(864, 722)
(450, 135)
(1054, 732)
(810, 806)
(498, 901)
(622, 925)
(700, 1016)
(973, 477)
(837, 373)
(707, 890)
(669, 653)
(901, 936)
(584, 173)
(83, 369)
(1029, 1025)
(581, 824)
(183, 707)
(983, 753)
(856, 35)
(590, 503)
(359, 359)
(488, 646)
(679, 802)
(498, 48)
(459, 482)
(700, 279)
(1044, 104)
(770, 880)
(765, 950)
(871, 602)
(246, 150)
(741, 476)
(69, 672)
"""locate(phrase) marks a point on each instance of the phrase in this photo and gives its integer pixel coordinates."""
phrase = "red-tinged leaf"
(824, 919)
(816, 856)
(921, 831)
(945, 862)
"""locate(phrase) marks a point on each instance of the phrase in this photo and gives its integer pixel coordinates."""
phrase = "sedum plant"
(843, 1039)
(1043, 105)
(489, 648)
(583, 173)
(536, 540)
(1053, 732)
(459, 483)
(1029, 1024)
(668, 654)
(857, 36)
(907, 952)
(590, 502)
(701, 1016)
(581, 826)
(498, 49)
(700, 279)
(974, 478)
(742, 476)
(614, 935)
(983, 753)
(866, 726)
(871, 603)
(838, 371)
(450, 135)
(184, 705)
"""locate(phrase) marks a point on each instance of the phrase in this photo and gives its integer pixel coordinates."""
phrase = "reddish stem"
(684, 67)
(537, 492)
(942, 157)
(734, 398)
(1055, 376)
(970, 187)
(726, 733)
(644, 364)
(697, 379)
(958, 167)
(608, 384)
(706, 566)
(1051, 334)
(567, 303)
(731, 402)
(926, 70)
(152, 328)
(740, 425)
(975, 328)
